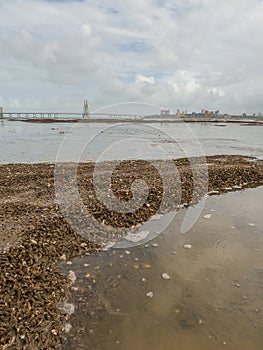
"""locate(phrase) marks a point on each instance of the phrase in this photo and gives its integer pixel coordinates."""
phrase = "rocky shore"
(34, 235)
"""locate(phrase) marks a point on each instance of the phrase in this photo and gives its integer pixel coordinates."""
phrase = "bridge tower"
(86, 110)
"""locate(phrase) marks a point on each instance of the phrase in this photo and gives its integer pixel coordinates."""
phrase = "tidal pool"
(209, 298)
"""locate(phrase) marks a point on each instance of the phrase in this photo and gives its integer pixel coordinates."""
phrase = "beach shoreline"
(39, 236)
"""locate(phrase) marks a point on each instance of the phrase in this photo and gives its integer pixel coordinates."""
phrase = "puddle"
(200, 290)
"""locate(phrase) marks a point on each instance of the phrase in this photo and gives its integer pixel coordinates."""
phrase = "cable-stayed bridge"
(86, 114)
(59, 115)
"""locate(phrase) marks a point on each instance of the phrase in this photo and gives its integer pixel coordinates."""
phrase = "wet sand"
(34, 236)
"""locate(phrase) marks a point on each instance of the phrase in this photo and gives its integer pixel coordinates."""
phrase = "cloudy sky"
(186, 54)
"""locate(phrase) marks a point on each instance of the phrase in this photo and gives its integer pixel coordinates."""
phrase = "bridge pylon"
(86, 110)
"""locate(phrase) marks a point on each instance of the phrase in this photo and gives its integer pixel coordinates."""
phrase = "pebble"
(149, 294)
(72, 276)
(174, 253)
(213, 192)
(251, 224)
(137, 237)
(156, 217)
(187, 246)
(143, 279)
(67, 327)
(155, 245)
(69, 262)
(165, 276)
(147, 266)
(237, 285)
(208, 216)
(69, 308)
(182, 205)
(127, 252)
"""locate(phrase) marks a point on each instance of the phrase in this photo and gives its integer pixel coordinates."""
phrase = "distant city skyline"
(177, 54)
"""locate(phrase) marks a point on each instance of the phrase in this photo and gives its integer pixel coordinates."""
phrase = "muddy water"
(213, 299)
(37, 142)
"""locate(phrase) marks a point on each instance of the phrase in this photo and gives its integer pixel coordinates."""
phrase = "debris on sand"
(208, 216)
(165, 276)
(187, 246)
(149, 294)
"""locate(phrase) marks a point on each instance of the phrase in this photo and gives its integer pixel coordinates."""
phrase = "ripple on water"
(228, 252)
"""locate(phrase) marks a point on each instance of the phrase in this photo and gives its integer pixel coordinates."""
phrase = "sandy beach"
(35, 236)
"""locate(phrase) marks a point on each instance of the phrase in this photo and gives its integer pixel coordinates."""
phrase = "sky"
(177, 54)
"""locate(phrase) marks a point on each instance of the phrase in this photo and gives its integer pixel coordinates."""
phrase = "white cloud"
(86, 30)
(178, 53)
(143, 79)
(216, 92)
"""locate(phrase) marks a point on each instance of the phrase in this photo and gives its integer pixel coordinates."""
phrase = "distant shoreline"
(219, 122)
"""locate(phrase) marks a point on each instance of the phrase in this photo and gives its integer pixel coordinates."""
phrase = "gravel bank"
(31, 286)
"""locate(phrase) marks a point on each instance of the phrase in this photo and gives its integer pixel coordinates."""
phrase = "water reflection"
(211, 299)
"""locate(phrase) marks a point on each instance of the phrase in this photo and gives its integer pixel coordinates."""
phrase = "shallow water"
(213, 299)
(22, 142)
